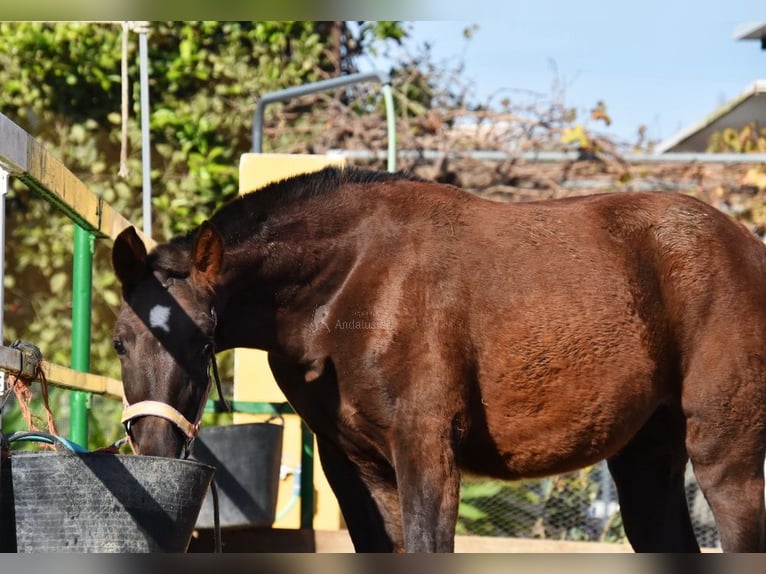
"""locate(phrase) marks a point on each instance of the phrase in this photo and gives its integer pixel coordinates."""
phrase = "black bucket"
(97, 502)
(247, 458)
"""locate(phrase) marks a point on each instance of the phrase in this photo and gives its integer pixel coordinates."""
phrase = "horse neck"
(274, 280)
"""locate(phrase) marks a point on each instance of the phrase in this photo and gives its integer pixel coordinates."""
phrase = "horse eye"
(207, 350)
(118, 346)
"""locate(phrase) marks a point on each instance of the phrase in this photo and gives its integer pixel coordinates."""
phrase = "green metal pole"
(307, 477)
(82, 278)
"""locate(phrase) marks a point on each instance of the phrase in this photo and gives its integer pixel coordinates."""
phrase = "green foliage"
(496, 508)
(552, 508)
(62, 83)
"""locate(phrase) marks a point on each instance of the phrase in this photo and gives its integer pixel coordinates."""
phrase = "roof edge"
(750, 31)
(757, 87)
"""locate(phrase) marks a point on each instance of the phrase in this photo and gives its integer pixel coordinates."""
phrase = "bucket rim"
(119, 456)
(274, 421)
(268, 423)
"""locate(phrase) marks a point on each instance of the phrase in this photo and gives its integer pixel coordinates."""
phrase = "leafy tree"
(62, 83)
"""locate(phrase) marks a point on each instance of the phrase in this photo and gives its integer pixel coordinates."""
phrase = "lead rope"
(218, 386)
(213, 489)
(216, 518)
(227, 406)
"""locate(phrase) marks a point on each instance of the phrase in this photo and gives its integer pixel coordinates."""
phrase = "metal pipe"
(4, 389)
(82, 279)
(324, 85)
(391, 122)
(4, 179)
(146, 156)
(553, 156)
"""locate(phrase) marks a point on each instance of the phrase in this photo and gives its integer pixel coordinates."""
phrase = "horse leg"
(369, 504)
(370, 507)
(428, 480)
(726, 440)
(649, 475)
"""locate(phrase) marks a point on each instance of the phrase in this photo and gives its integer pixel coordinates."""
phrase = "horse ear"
(129, 258)
(207, 257)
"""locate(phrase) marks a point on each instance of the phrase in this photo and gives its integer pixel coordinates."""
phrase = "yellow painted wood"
(12, 362)
(253, 380)
(27, 159)
(259, 169)
(59, 376)
(75, 380)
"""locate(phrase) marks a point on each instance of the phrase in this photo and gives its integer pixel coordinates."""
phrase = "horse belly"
(554, 440)
(569, 366)
(555, 411)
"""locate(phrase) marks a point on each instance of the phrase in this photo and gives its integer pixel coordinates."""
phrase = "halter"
(170, 413)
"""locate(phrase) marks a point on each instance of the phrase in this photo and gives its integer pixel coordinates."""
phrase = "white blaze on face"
(159, 318)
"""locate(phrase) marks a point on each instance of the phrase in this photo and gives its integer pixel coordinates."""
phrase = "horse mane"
(243, 216)
(300, 188)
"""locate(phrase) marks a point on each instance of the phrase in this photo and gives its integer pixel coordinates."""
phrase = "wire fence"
(577, 506)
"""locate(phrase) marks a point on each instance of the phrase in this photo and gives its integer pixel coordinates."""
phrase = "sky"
(664, 64)
(661, 63)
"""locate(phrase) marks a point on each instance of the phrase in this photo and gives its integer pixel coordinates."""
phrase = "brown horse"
(421, 331)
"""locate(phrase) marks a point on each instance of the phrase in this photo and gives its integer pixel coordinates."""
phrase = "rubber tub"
(97, 502)
(247, 458)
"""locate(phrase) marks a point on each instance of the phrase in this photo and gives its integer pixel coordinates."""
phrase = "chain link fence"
(578, 506)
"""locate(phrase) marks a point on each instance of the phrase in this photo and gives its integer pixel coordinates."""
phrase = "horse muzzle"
(163, 411)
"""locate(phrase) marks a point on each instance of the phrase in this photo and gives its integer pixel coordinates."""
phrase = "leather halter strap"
(170, 413)
(162, 410)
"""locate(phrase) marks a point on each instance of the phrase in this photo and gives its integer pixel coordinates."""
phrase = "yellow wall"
(253, 380)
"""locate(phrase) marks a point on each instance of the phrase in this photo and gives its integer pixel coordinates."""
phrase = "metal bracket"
(29, 366)
(31, 359)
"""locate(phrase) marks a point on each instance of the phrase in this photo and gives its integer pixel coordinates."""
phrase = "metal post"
(82, 277)
(146, 157)
(323, 85)
(3, 379)
(4, 389)
(307, 477)
(4, 179)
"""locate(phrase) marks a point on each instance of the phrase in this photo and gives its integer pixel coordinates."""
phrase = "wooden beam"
(11, 361)
(67, 378)
(27, 159)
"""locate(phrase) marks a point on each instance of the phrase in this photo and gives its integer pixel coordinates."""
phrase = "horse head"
(165, 337)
